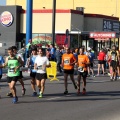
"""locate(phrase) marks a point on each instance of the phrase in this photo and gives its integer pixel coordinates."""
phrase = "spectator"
(58, 58)
(101, 57)
(52, 53)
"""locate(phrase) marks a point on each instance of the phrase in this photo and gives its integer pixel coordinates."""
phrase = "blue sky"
(2, 2)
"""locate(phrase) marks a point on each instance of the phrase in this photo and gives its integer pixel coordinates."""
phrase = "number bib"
(81, 69)
(40, 67)
(32, 67)
(11, 70)
(66, 61)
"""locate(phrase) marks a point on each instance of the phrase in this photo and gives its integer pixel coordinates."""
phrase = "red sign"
(102, 35)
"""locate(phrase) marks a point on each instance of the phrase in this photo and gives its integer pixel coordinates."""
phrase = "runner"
(91, 57)
(1, 66)
(30, 64)
(14, 63)
(101, 58)
(114, 55)
(21, 76)
(41, 62)
(83, 61)
(68, 62)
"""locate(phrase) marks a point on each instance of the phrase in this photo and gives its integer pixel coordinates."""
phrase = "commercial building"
(81, 25)
(105, 7)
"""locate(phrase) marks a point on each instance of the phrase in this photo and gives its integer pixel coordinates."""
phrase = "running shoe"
(23, 91)
(115, 78)
(109, 74)
(40, 95)
(34, 94)
(15, 99)
(9, 94)
(111, 78)
(88, 75)
(93, 75)
(84, 91)
(66, 92)
(97, 75)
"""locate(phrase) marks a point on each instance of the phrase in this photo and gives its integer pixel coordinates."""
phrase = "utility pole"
(53, 22)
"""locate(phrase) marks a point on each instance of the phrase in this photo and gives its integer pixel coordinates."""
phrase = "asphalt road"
(102, 102)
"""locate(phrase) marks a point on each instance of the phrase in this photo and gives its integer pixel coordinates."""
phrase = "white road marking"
(99, 81)
(53, 98)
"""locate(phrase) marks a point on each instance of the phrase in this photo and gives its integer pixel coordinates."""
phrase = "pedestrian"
(58, 59)
(91, 57)
(1, 65)
(114, 64)
(14, 63)
(21, 75)
(68, 62)
(52, 53)
(101, 58)
(41, 62)
(83, 62)
(30, 64)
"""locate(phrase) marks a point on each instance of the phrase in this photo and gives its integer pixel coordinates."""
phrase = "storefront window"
(74, 41)
(42, 39)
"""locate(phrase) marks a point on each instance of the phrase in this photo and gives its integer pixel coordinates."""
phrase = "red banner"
(102, 35)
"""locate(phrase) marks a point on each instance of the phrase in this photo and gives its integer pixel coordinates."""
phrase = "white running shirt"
(41, 63)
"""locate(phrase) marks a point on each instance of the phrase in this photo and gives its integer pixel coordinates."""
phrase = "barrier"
(52, 71)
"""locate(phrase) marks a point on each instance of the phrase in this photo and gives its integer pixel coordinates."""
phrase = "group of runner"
(109, 61)
(39, 61)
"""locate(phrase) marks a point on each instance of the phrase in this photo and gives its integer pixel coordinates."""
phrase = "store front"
(104, 39)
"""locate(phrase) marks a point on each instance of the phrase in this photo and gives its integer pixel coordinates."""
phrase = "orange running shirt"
(67, 60)
(82, 61)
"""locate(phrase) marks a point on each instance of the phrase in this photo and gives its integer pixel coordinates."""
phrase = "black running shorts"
(40, 76)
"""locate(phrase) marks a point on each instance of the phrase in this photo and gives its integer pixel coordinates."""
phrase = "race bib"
(66, 61)
(40, 67)
(11, 70)
(32, 67)
(81, 69)
(113, 57)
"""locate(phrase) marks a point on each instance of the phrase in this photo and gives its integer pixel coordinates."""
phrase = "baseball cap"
(89, 48)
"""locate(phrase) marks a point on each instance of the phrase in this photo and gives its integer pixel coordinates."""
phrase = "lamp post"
(78, 39)
(53, 22)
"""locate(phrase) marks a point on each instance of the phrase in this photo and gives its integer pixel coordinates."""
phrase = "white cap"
(89, 48)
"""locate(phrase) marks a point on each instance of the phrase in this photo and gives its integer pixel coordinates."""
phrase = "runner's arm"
(74, 60)
(21, 62)
(6, 63)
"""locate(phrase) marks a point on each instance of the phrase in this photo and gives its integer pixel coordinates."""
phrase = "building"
(90, 6)
(79, 24)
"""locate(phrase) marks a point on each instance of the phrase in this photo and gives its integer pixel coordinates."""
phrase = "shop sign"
(111, 25)
(102, 35)
(6, 18)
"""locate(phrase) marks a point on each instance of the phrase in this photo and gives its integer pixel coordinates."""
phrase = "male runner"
(83, 61)
(21, 76)
(14, 63)
(30, 64)
(68, 62)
